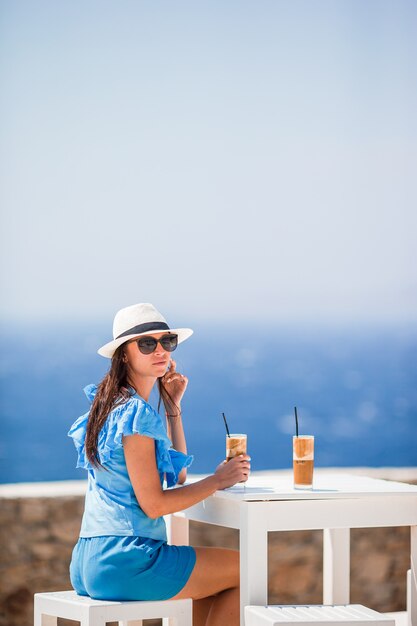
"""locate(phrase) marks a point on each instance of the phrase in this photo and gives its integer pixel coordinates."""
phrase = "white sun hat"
(136, 320)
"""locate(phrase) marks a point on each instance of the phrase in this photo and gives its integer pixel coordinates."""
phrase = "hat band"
(144, 328)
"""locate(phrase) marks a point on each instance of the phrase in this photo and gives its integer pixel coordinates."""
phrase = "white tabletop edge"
(328, 486)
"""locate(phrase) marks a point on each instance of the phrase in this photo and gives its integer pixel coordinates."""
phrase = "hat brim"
(110, 348)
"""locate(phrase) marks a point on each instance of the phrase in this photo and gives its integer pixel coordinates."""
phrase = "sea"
(355, 390)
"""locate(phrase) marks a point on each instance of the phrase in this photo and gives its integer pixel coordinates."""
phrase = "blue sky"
(220, 159)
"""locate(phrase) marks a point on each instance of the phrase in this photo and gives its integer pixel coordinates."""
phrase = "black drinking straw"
(296, 421)
(225, 423)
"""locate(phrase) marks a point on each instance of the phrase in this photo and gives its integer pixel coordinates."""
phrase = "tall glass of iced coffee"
(303, 461)
(235, 445)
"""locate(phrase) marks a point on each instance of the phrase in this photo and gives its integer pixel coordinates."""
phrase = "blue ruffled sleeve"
(135, 416)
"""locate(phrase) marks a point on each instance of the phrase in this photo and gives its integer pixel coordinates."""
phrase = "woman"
(122, 553)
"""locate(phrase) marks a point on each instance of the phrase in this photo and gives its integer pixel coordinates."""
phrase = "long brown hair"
(113, 390)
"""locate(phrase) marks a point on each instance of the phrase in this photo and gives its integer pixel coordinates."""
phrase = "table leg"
(178, 535)
(253, 559)
(178, 529)
(412, 600)
(336, 566)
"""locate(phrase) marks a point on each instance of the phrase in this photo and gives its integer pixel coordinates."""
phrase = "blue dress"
(122, 554)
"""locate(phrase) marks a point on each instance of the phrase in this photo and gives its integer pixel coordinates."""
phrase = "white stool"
(317, 615)
(50, 606)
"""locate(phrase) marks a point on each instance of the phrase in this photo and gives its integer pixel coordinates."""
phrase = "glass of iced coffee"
(303, 461)
(235, 445)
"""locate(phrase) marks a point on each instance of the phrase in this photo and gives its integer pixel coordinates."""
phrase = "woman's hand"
(234, 471)
(175, 384)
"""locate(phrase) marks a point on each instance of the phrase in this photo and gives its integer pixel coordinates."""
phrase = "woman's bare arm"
(176, 433)
(154, 501)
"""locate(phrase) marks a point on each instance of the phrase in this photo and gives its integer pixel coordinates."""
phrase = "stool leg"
(187, 618)
(175, 621)
(412, 602)
(409, 597)
(94, 620)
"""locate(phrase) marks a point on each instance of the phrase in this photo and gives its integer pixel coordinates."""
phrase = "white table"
(336, 504)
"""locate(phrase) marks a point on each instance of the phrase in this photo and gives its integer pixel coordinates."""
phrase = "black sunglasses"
(147, 345)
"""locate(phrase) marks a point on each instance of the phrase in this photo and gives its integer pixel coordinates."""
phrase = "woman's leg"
(215, 576)
(201, 610)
